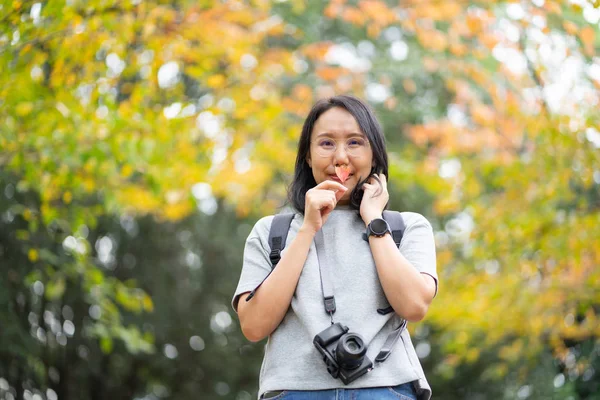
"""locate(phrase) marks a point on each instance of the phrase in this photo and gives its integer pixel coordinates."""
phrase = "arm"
(408, 291)
(260, 316)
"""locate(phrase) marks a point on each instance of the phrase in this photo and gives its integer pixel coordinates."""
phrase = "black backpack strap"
(280, 225)
(394, 219)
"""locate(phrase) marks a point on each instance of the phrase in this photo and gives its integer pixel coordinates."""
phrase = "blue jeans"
(406, 391)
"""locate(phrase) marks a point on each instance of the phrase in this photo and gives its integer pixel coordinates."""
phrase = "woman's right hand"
(319, 203)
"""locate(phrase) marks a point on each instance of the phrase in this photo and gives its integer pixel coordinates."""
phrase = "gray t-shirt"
(291, 361)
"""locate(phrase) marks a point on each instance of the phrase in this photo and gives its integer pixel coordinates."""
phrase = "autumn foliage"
(122, 107)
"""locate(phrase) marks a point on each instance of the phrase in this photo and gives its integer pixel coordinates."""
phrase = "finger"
(331, 185)
(328, 205)
(368, 187)
(383, 179)
(339, 194)
(324, 199)
(384, 182)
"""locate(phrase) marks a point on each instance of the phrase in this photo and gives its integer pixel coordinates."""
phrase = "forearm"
(260, 316)
(408, 291)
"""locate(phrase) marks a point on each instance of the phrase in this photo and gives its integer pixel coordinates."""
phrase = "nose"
(340, 157)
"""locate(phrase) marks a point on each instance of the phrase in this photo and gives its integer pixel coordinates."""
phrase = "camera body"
(344, 353)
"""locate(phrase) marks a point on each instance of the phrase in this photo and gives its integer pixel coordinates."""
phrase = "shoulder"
(263, 226)
(416, 223)
(413, 219)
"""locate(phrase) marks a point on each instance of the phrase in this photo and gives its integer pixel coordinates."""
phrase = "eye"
(356, 142)
(326, 143)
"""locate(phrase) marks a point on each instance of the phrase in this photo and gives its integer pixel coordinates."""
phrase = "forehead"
(336, 121)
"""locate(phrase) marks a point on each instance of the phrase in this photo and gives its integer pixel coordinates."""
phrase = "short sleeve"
(418, 245)
(256, 264)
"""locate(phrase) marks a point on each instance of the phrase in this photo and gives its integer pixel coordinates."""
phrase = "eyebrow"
(352, 134)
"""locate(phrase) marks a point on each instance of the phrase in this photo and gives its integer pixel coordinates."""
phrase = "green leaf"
(55, 288)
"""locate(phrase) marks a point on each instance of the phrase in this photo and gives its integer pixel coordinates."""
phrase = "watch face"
(379, 226)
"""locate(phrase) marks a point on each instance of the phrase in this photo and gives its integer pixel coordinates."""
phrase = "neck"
(342, 206)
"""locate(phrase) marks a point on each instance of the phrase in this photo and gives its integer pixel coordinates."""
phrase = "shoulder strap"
(278, 235)
(394, 219)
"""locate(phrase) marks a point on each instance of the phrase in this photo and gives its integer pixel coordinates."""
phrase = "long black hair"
(365, 117)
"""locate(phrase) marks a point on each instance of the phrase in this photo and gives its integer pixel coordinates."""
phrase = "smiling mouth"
(335, 178)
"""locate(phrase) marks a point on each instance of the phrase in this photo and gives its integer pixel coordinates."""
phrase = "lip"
(335, 178)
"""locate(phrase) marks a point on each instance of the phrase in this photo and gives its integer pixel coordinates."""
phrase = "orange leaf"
(316, 50)
(353, 16)
(332, 10)
(570, 27)
(588, 36)
(330, 73)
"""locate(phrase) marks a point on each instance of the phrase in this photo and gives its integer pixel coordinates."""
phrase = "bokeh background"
(141, 139)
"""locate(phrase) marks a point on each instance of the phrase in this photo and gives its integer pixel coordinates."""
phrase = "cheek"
(367, 166)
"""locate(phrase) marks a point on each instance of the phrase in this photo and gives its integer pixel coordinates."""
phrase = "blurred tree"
(120, 108)
(47, 346)
(514, 127)
(520, 134)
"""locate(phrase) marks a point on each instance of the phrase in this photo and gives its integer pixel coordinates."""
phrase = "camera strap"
(326, 285)
(391, 340)
(329, 299)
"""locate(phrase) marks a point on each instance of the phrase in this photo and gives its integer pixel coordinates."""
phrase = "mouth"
(335, 178)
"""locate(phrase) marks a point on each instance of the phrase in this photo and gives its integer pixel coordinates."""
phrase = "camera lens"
(352, 345)
(350, 351)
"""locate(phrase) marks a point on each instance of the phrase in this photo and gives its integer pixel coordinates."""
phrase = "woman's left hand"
(373, 204)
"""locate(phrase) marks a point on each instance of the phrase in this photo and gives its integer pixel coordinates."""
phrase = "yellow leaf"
(33, 255)
(27, 214)
(216, 81)
(24, 108)
(147, 303)
(126, 171)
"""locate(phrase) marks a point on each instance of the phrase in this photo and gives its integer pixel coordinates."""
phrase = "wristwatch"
(378, 228)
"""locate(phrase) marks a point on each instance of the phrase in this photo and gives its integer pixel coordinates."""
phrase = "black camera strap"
(391, 340)
(326, 285)
(329, 299)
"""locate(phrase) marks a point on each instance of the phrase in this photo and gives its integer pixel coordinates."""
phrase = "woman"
(339, 188)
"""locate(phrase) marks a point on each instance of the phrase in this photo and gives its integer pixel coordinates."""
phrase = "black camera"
(344, 353)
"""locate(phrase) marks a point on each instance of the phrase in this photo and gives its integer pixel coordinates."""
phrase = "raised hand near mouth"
(320, 201)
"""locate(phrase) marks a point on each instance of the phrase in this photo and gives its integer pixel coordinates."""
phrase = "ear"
(308, 161)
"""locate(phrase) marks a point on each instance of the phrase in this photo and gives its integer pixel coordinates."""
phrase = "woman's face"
(336, 140)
